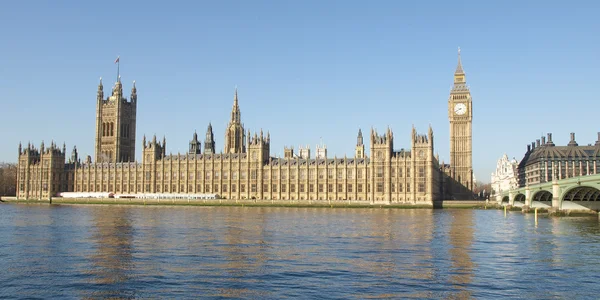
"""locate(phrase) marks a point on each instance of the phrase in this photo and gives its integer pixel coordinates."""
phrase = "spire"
(100, 94)
(195, 146)
(460, 81)
(133, 92)
(209, 142)
(20, 148)
(235, 110)
(74, 155)
(235, 98)
(459, 68)
(359, 138)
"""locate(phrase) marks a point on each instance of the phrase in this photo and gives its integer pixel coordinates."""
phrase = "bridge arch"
(541, 195)
(582, 193)
(520, 197)
(505, 199)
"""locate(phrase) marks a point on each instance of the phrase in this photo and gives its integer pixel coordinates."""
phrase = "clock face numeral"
(460, 109)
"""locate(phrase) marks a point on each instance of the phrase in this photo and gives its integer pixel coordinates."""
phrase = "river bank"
(275, 203)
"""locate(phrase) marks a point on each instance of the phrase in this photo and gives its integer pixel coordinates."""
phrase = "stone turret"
(195, 145)
(74, 155)
(288, 152)
(154, 150)
(321, 152)
(259, 147)
(209, 141)
(359, 152)
(304, 152)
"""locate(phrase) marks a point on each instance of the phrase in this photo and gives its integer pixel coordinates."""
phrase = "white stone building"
(505, 176)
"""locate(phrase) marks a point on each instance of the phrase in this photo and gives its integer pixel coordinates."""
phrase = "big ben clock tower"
(460, 114)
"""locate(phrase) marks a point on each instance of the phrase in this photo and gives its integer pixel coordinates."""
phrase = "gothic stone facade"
(247, 170)
(115, 125)
(387, 176)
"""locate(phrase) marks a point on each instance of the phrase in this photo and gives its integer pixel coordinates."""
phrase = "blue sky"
(305, 70)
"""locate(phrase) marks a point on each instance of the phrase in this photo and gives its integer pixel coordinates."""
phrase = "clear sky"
(305, 70)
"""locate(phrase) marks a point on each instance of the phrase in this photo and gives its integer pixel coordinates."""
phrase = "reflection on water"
(112, 260)
(461, 238)
(236, 252)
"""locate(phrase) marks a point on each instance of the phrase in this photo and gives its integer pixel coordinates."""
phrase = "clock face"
(460, 109)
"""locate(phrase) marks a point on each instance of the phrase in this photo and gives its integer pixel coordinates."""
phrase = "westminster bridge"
(574, 193)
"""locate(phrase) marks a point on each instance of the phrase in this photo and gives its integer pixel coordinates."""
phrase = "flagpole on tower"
(118, 67)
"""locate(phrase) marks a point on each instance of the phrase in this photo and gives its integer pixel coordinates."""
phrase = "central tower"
(460, 114)
(115, 124)
(234, 135)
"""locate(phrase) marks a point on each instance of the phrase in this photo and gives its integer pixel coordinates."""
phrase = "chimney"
(543, 140)
(550, 143)
(572, 142)
(532, 145)
(537, 142)
(598, 141)
(528, 148)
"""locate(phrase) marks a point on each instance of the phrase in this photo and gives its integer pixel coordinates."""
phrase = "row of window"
(208, 188)
(265, 175)
(36, 187)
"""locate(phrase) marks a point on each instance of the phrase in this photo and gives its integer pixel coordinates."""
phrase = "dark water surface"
(274, 253)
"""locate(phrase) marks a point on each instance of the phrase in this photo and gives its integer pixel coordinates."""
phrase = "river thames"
(273, 253)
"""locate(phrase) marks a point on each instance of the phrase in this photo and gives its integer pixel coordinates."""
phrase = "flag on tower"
(117, 60)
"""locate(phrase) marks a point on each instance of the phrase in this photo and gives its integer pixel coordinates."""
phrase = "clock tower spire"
(460, 115)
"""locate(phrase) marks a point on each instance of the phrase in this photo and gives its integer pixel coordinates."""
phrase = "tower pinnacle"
(234, 135)
(459, 68)
(235, 110)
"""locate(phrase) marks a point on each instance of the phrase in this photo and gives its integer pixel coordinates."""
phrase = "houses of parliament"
(245, 169)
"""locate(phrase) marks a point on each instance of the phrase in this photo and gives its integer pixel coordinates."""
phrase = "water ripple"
(276, 253)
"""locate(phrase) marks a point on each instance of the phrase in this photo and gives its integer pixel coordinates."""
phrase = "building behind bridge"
(544, 160)
(505, 176)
